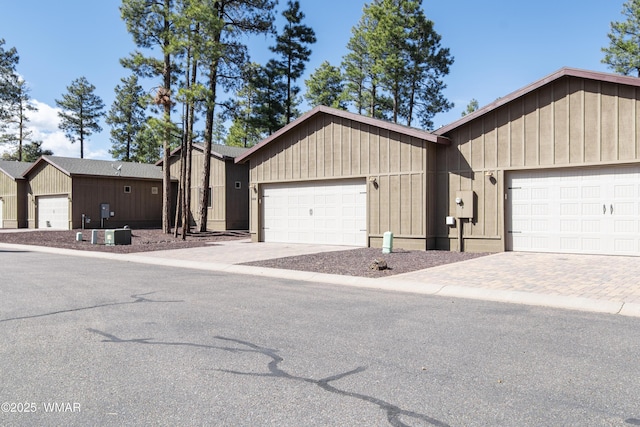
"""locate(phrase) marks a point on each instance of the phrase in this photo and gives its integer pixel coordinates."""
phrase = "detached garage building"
(552, 167)
(61, 190)
(334, 177)
(555, 167)
(13, 186)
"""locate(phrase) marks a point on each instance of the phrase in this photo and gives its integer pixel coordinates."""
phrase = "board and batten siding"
(229, 207)
(215, 214)
(141, 207)
(237, 199)
(326, 147)
(46, 180)
(13, 195)
(569, 122)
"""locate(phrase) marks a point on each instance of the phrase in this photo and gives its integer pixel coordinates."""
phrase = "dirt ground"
(352, 262)
(141, 240)
(358, 262)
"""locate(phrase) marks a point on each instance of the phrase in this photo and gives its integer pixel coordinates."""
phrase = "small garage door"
(590, 211)
(53, 212)
(324, 212)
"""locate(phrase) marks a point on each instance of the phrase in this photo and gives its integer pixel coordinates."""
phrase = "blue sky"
(499, 46)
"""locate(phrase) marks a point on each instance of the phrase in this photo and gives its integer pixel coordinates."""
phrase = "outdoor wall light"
(374, 181)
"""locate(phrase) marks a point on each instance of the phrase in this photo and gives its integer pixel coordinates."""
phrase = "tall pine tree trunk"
(208, 133)
(208, 139)
(166, 174)
(190, 125)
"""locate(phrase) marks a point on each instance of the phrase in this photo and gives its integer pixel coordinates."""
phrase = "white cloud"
(44, 125)
(45, 118)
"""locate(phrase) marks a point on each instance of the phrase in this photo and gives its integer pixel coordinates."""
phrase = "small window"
(154, 190)
(127, 189)
(238, 185)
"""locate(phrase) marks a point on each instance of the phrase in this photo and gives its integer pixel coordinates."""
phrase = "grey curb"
(394, 283)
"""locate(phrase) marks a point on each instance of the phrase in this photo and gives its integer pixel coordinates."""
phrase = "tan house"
(554, 166)
(228, 207)
(334, 177)
(13, 194)
(62, 191)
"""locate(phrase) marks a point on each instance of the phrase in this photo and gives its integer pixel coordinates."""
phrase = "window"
(127, 189)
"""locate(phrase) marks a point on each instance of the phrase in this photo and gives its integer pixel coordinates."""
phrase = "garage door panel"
(592, 245)
(568, 226)
(591, 226)
(321, 212)
(53, 212)
(575, 211)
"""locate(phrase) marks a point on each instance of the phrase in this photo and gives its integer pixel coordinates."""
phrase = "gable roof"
(14, 170)
(102, 168)
(563, 72)
(382, 124)
(219, 151)
(223, 151)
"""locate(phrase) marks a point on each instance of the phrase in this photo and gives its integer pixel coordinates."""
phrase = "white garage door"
(1, 210)
(323, 212)
(53, 212)
(590, 211)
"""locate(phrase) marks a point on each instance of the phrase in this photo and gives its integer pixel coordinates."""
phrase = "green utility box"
(119, 236)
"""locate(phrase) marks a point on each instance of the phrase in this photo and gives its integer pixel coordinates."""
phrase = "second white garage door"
(327, 212)
(53, 212)
(589, 211)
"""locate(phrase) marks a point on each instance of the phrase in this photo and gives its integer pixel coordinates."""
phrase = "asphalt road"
(97, 342)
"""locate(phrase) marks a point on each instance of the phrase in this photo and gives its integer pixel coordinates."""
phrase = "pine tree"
(292, 47)
(16, 131)
(243, 131)
(224, 57)
(81, 110)
(127, 117)
(623, 52)
(325, 87)
(151, 23)
(356, 65)
(471, 107)
(270, 110)
(8, 81)
(30, 153)
(149, 141)
(362, 70)
(428, 63)
(395, 65)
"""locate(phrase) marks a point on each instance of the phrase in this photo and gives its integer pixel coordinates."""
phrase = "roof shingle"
(105, 168)
(14, 169)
